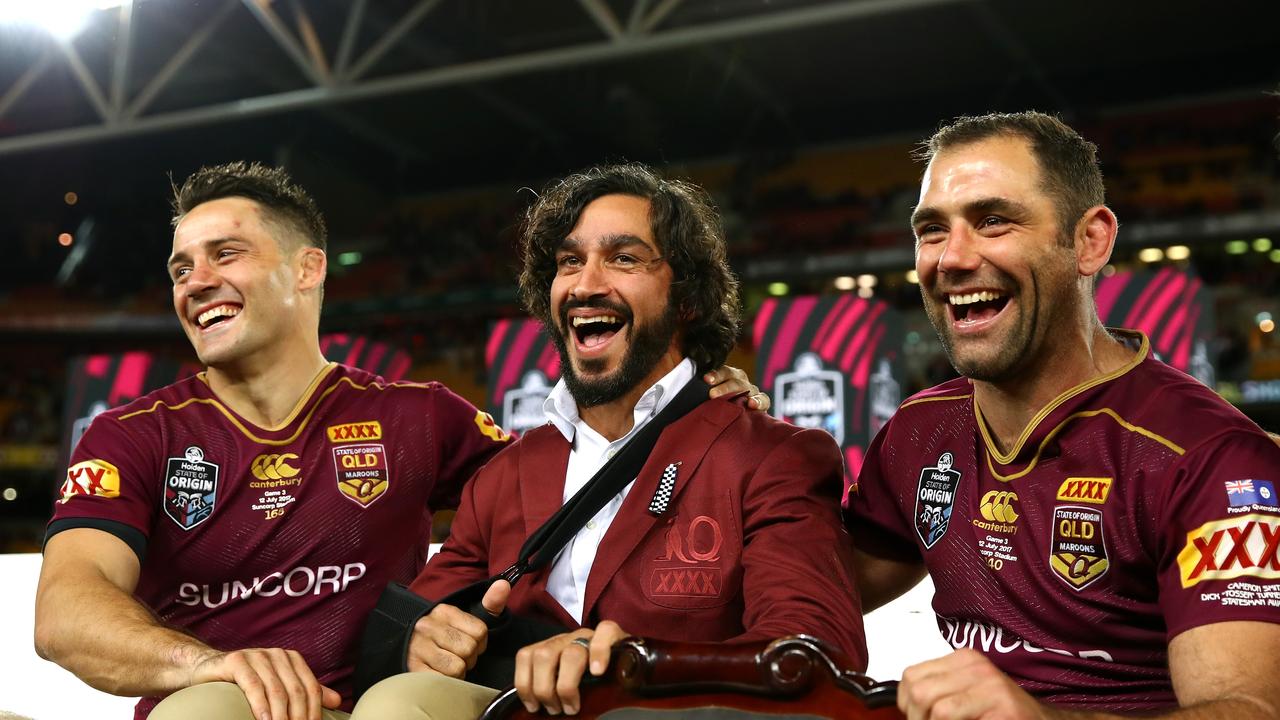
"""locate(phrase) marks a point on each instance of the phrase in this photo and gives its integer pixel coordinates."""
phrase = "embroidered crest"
(190, 488)
(362, 471)
(1077, 552)
(935, 497)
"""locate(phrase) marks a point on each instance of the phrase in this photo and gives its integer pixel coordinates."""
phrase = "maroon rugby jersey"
(1133, 507)
(282, 537)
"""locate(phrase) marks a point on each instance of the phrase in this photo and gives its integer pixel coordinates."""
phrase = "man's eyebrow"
(925, 214)
(982, 206)
(182, 256)
(997, 205)
(608, 242)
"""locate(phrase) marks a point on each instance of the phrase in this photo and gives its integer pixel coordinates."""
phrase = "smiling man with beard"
(730, 532)
(1101, 530)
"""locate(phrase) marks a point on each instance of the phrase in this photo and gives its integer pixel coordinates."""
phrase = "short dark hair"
(283, 201)
(1068, 163)
(688, 231)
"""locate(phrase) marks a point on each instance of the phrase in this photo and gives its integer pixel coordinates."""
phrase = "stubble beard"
(1011, 353)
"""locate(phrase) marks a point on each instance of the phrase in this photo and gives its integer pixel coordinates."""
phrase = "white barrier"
(898, 635)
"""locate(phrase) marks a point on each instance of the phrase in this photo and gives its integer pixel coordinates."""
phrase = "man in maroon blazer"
(730, 532)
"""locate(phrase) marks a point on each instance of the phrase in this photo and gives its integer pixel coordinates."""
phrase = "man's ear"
(1095, 238)
(313, 265)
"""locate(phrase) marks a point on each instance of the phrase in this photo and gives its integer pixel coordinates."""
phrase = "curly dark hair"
(1069, 168)
(283, 202)
(685, 225)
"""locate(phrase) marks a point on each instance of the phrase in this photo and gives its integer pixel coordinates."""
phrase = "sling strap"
(384, 645)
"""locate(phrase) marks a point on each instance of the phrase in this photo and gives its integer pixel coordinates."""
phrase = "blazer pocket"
(694, 559)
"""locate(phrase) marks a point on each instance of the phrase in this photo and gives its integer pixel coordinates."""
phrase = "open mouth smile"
(593, 333)
(217, 315)
(973, 311)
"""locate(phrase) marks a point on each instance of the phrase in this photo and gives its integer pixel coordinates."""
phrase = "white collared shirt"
(567, 582)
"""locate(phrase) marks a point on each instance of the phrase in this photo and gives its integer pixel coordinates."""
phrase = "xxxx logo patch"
(351, 432)
(91, 477)
(485, 422)
(1085, 489)
(688, 582)
(1224, 549)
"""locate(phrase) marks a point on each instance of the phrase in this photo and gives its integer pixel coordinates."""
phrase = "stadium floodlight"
(63, 19)
(1150, 255)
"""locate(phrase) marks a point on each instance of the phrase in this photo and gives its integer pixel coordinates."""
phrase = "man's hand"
(548, 673)
(726, 380)
(277, 683)
(964, 685)
(449, 640)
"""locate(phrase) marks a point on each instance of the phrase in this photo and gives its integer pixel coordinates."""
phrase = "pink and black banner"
(374, 356)
(1172, 307)
(523, 366)
(98, 382)
(833, 363)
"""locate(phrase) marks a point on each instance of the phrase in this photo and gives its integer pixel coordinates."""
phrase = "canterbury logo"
(369, 430)
(997, 506)
(1084, 489)
(274, 467)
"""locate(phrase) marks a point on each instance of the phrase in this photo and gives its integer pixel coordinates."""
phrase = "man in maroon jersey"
(1102, 531)
(238, 525)
(231, 532)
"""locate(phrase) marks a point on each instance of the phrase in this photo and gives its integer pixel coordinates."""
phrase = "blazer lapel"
(686, 442)
(544, 460)
(543, 463)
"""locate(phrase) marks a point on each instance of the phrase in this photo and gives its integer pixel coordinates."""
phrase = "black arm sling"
(384, 645)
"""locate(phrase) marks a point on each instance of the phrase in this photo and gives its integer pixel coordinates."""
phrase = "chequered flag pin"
(662, 495)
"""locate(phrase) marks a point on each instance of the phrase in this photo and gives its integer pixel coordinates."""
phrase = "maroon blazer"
(750, 547)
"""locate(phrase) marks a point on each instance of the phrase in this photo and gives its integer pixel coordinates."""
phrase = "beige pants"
(411, 696)
(215, 701)
(423, 696)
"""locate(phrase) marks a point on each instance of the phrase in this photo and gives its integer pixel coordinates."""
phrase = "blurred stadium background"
(421, 125)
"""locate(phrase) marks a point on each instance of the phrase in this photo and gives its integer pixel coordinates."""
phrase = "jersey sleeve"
(873, 505)
(110, 485)
(1219, 537)
(467, 439)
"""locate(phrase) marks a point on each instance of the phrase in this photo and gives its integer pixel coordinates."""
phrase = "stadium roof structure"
(446, 90)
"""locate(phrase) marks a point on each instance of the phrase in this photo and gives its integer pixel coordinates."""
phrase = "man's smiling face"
(615, 327)
(995, 273)
(234, 286)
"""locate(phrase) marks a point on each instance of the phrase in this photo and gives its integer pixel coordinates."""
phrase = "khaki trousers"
(410, 696)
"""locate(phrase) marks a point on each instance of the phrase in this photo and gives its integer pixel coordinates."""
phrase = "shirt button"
(612, 452)
(591, 524)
